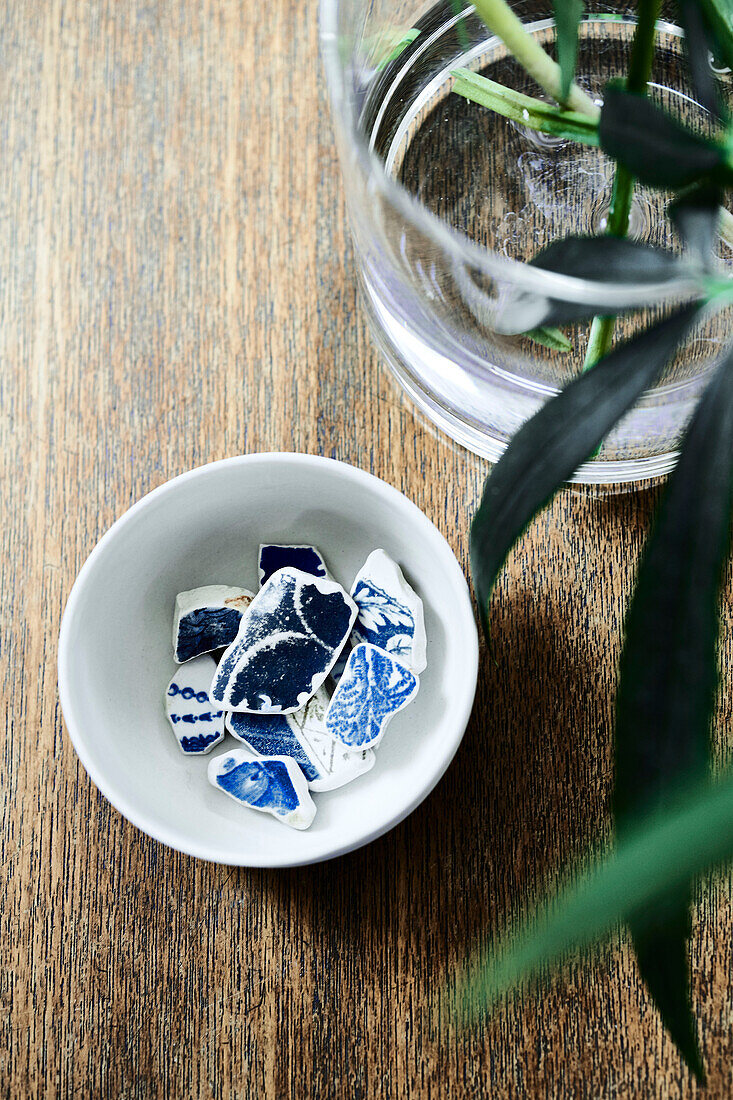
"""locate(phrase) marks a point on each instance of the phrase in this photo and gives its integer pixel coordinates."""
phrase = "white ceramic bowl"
(205, 527)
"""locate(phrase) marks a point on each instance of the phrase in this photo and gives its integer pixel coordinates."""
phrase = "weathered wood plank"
(176, 286)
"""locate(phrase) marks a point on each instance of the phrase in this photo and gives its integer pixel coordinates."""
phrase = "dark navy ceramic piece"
(207, 619)
(288, 641)
(271, 735)
(206, 629)
(305, 558)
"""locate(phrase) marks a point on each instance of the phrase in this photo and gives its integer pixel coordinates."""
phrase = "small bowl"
(205, 527)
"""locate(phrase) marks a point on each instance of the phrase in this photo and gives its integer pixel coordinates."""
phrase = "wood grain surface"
(177, 285)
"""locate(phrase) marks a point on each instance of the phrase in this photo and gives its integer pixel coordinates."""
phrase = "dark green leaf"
(696, 217)
(697, 48)
(652, 145)
(663, 853)
(595, 259)
(609, 260)
(549, 448)
(668, 676)
(660, 943)
(719, 17)
(568, 14)
(550, 338)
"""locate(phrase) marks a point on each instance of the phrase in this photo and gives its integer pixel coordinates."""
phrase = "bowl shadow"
(527, 792)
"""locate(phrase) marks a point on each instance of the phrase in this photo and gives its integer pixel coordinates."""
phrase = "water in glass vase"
(511, 191)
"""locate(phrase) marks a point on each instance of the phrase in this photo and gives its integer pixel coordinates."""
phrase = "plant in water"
(673, 822)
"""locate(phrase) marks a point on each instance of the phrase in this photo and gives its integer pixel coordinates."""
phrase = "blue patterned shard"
(390, 613)
(272, 784)
(305, 558)
(338, 669)
(302, 737)
(256, 783)
(373, 688)
(287, 643)
(200, 744)
(206, 629)
(271, 735)
(196, 724)
(206, 619)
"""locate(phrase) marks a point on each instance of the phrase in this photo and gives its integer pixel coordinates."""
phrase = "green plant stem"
(527, 111)
(640, 67)
(499, 18)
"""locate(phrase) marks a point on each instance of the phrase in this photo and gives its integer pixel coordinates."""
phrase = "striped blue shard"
(271, 735)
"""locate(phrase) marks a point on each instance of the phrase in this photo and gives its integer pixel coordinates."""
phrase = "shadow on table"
(525, 793)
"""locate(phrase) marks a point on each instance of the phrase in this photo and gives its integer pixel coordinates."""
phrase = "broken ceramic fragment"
(373, 688)
(288, 641)
(271, 784)
(270, 735)
(206, 619)
(302, 736)
(390, 612)
(338, 669)
(274, 556)
(196, 724)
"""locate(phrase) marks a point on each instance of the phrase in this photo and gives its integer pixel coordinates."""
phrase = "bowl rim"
(461, 703)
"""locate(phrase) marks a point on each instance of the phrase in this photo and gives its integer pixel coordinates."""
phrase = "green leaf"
(697, 48)
(555, 441)
(568, 14)
(696, 217)
(595, 259)
(609, 260)
(524, 109)
(662, 853)
(719, 17)
(398, 48)
(652, 145)
(668, 677)
(550, 338)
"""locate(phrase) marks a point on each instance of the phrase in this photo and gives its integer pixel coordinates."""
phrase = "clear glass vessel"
(448, 202)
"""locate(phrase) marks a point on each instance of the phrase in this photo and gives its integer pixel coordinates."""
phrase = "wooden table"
(177, 285)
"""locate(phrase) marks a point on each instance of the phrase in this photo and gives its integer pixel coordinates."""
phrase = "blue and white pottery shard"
(274, 556)
(336, 763)
(271, 784)
(390, 612)
(206, 619)
(302, 736)
(373, 688)
(271, 735)
(196, 724)
(288, 640)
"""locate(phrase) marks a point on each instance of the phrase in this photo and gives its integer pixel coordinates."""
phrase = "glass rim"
(461, 249)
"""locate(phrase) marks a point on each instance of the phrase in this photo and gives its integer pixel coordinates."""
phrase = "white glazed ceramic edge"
(461, 703)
